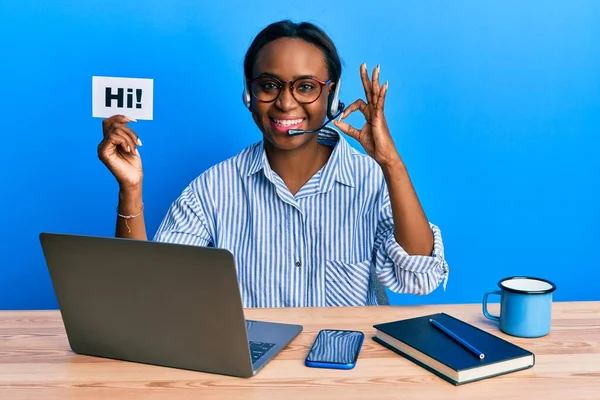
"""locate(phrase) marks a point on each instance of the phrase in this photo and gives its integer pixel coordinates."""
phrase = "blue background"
(494, 107)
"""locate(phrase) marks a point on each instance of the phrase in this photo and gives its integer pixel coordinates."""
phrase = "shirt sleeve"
(404, 273)
(186, 219)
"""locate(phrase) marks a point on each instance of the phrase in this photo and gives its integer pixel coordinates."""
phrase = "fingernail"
(137, 153)
(365, 65)
(131, 119)
(139, 142)
(128, 149)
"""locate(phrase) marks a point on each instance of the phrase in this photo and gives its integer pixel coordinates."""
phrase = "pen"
(457, 339)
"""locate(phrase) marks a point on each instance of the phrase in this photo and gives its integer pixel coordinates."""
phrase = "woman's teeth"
(287, 122)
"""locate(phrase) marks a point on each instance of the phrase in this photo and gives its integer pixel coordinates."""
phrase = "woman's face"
(288, 59)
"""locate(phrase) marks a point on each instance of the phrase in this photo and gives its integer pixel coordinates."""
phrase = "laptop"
(158, 303)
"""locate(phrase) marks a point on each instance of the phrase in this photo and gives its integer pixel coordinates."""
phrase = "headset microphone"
(295, 132)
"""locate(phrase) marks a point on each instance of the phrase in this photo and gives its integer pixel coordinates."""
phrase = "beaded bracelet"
(127, 217)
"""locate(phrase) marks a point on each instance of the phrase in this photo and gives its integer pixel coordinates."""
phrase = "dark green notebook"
(419, 341)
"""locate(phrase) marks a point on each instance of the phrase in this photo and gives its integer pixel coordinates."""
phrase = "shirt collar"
(338, 167)
(257, 158)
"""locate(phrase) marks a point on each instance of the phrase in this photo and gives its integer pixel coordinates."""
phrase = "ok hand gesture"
(374, 136)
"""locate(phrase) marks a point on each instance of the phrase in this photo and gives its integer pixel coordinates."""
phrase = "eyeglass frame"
(290, 84)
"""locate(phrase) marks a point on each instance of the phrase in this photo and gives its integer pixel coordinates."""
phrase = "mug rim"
(545, 291)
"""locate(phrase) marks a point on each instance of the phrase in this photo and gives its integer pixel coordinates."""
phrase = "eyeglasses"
(304, 90)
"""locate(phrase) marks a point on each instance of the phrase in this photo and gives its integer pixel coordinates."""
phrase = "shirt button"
(298, 263)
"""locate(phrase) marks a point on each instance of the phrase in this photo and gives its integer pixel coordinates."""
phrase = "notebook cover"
(420, 334)
(419, 363)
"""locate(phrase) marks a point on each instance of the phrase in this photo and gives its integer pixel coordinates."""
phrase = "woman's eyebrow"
(272, 75)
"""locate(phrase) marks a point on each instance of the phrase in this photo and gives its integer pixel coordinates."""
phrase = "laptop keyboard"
(259, 349)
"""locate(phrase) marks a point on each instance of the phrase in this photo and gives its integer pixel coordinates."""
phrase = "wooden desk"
(37, 363)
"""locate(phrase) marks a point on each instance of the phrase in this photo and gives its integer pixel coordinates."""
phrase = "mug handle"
(484, 306)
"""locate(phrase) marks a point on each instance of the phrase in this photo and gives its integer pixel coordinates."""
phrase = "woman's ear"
(331, 87)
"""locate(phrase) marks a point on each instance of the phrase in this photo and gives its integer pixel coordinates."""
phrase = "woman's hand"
(118, 151)
(374, 136)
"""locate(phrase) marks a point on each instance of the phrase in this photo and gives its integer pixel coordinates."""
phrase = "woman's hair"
(287, 29)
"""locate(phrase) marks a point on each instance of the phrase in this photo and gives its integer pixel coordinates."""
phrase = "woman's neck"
(297, 166)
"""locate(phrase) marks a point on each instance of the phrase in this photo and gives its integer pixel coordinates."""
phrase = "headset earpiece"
(334, 105)
(246, 95)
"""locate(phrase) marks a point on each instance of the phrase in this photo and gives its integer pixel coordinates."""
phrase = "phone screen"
(336, 347)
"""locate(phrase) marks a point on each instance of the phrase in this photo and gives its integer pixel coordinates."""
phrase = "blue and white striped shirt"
(331, 244)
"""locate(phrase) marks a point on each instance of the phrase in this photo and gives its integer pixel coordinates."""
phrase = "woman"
(309, 220)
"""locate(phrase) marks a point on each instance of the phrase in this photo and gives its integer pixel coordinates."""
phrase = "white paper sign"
(131, 97)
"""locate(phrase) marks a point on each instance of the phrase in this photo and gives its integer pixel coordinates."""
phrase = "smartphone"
(336, 349)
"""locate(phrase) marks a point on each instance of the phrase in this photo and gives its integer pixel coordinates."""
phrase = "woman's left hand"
(374, 136)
